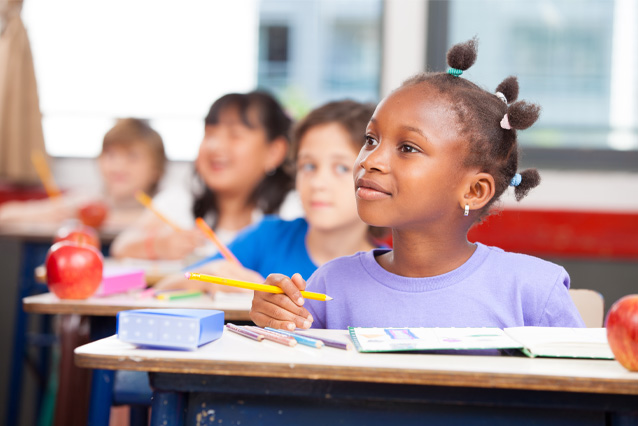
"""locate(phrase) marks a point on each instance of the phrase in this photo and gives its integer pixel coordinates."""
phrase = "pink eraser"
(187, 275)
(117, 279)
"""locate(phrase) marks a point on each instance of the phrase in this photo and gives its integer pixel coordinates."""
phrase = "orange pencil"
(148, 203)
(44, 173)
(228, 255)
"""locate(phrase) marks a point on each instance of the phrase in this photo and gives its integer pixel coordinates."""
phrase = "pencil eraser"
(187, 275)
(118, 279)
(185, 329)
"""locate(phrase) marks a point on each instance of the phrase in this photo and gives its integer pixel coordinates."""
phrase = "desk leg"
(74, 385)
(32, 255)
(169, 408)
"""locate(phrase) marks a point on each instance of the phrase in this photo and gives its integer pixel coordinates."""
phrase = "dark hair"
(491, 148)
(353, 117)
(261, 107)
(128, 131)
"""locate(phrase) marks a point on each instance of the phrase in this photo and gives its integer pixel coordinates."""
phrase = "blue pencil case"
(185, 329)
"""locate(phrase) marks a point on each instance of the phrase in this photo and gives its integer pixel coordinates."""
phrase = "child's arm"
(151, 238)
(283, 311)
(219, 268)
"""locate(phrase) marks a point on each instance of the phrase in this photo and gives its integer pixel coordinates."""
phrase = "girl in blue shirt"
(325, 146)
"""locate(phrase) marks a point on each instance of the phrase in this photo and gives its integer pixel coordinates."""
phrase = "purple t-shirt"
(493, 288)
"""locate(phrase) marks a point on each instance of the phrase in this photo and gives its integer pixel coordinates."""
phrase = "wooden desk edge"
(379, 375)
(108, 311)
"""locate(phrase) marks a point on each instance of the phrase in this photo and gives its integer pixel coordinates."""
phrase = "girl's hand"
(178, 282)
(169, 244)
(283, 311)
(226, 269)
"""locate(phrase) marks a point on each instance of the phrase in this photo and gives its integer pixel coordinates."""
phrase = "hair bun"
(521, 114)
(509, 88)
(463, 55)
(530, 178)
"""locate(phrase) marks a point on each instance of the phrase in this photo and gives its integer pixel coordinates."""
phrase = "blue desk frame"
(189, 399)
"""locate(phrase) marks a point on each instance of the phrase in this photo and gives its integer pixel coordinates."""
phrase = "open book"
(532, 341)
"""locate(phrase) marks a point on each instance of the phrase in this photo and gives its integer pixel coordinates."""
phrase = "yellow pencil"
(148, 203)
(228, 255)
(44, 173)
(251, 286)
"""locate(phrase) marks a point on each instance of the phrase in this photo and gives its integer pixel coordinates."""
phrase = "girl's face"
(324, 178)
(234, 158)
(127, 169)
(408, 174)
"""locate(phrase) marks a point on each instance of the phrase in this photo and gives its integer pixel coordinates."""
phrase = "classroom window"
(315, 51)
(570, 57)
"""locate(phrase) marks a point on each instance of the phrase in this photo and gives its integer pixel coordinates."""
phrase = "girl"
(439, 152)
(240, 176)
(132, 159)
(325, 145)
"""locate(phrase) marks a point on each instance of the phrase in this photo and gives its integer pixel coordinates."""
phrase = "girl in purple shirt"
(439, 152)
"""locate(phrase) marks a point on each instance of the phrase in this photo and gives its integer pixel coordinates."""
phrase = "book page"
(564, 342)
(369, 339)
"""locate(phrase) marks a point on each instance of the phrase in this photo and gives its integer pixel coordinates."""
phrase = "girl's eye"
(342, 169)
(408, 148)
(305, 167)
(371, 141)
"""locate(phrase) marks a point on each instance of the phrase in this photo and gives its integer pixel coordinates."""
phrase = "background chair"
(590, 304)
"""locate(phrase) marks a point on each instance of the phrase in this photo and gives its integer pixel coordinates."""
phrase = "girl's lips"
(370, 194)
(370, 190)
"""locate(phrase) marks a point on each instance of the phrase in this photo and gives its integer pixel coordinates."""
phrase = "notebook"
(532, 341)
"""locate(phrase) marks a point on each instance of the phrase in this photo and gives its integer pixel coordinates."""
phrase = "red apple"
(74, 271)
(622, 331)
(93, 213)
(78, 233)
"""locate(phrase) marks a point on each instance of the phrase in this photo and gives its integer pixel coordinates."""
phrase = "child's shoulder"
(519, 261)
(353, 262)
(276, 223)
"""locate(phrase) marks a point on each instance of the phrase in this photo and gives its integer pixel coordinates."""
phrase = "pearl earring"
(467, 210)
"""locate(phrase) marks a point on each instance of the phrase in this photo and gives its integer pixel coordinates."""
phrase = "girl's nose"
(376, 159)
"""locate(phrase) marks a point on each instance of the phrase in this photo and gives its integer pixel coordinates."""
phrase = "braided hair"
(489, 121)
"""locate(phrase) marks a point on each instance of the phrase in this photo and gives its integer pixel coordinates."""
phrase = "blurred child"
(240, 176)
(132, 159)
(439, 152)
(325, 145)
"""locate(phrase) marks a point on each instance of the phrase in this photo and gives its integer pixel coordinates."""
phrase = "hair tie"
(501, 96)
(455, 72)
(505, 123)
(516, 180)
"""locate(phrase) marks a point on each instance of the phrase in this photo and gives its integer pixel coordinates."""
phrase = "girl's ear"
(478, 191)
(277, 151)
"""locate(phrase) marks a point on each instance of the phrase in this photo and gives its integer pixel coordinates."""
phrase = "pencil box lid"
(185, 329)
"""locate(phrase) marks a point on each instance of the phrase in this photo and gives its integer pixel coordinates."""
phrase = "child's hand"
(226, 269)
(169, 244)
(178, 282)
(283, 311)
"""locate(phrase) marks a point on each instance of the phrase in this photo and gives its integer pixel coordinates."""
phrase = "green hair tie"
(455, 72)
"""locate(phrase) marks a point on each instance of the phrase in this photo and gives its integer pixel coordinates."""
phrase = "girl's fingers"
(291, 288)
(269, 312)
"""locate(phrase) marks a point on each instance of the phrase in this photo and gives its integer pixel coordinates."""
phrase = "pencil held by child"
(251, 286)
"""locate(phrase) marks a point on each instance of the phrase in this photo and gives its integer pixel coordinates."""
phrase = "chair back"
(590, 305)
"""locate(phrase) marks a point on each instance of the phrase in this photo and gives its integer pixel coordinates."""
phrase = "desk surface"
(43, 233)
(236, 306)
(234, 355)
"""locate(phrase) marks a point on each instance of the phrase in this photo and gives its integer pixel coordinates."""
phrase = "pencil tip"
(328, 298)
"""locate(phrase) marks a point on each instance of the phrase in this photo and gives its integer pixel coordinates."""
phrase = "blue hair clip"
(516, 180)
(455, 72)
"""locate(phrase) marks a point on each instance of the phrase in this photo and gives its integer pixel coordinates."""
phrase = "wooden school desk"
(236, 307)
(235, 380)
(32, 242)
